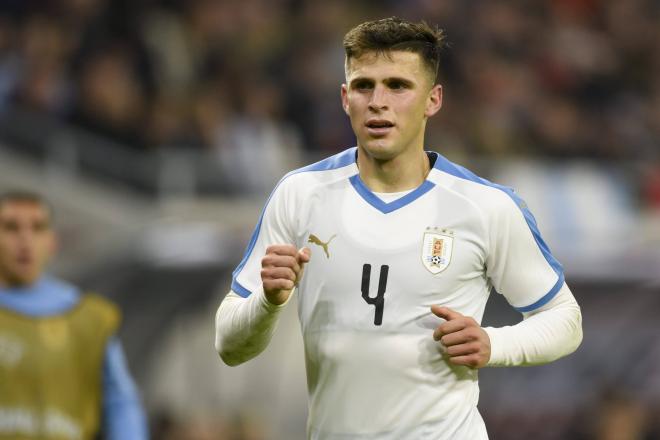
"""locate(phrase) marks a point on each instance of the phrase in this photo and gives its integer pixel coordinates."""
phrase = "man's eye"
(363, 86)
(9, 226)
(397, 85)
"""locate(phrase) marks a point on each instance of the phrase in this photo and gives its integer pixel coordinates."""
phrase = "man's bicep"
(520, 264)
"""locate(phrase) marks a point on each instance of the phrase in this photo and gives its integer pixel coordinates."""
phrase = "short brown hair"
(394, 33)
(29, 197)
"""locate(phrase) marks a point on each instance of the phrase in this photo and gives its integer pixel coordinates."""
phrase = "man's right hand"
(281, 269)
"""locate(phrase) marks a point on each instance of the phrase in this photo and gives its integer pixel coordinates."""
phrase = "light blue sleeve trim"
(546, 298)
(443, 164)
(340, 160)
(242, 291)
(123, 415)
(385, 207)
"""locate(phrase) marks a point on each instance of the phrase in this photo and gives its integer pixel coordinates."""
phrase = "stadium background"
(158, 127)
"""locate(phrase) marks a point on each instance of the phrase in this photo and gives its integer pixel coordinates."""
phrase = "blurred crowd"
(248, 79)
(561, 78)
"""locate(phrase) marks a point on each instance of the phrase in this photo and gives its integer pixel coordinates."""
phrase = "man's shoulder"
(69, 293)
(333, 168)
(102, 307)
(484, 193)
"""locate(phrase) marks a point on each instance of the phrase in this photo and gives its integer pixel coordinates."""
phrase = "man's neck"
(4, 282)
(404, 172)
(11, 283)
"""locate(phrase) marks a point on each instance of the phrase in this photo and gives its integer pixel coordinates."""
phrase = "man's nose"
(378, 101)
(25, 235)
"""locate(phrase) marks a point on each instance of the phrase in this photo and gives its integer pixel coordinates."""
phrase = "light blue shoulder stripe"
(340, 160)
(443, 164)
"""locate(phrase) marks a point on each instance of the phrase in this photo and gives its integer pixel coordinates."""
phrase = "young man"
(408, 246)
(62, 370)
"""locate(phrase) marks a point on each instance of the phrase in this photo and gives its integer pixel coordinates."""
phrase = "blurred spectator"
(166, 427)
(63, 369)
(44, 84)
(256, 146)
(651, 187)
(110, 100)
(617, 415)
(9, 61)
(552, 78)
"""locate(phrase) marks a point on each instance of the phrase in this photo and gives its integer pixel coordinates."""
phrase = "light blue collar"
(46, 296)
(387, 207)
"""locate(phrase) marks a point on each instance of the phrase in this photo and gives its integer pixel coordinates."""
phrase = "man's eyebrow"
(360, 79)
(404, 81)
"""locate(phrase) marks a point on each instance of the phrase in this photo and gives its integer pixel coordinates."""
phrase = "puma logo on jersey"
(315, 240)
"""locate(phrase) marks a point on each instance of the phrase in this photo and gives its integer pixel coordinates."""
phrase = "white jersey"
(374, 370)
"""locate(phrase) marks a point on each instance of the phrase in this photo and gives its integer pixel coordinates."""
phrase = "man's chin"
(379, 149)
(20, 278)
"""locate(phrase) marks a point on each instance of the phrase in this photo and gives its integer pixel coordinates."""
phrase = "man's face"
(388, 99)
(26, 242)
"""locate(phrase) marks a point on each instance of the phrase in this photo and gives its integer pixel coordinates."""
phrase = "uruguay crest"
(437, 249)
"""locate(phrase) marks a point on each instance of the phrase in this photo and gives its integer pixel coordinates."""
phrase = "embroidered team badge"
(437, 249)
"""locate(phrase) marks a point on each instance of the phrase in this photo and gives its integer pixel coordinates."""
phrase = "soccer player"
(407, 246)
(62, 370)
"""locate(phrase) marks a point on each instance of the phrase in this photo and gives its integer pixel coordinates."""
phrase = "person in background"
(63, 374)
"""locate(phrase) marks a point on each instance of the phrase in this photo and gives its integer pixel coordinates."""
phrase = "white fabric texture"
(244, 326)
(546, 334)
(373, 368)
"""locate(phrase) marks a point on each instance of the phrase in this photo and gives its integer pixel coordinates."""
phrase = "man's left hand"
(467, 343)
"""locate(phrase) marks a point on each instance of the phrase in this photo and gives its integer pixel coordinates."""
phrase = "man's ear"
(434, 102)
(344, 97)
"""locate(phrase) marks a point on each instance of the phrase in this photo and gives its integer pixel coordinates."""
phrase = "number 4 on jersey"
(379, 300)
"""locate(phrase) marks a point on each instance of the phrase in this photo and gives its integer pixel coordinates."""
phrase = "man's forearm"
(547, 334)
(244, 326)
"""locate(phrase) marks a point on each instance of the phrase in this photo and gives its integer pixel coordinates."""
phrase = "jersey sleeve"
(124, 417)
(274, 227)
(519, 263)
(546, 334)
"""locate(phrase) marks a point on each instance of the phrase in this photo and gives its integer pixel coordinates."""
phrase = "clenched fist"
(467, 343)
(281, 269)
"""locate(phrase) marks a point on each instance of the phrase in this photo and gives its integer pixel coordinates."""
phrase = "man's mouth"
(378, 127)
(24, 260)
